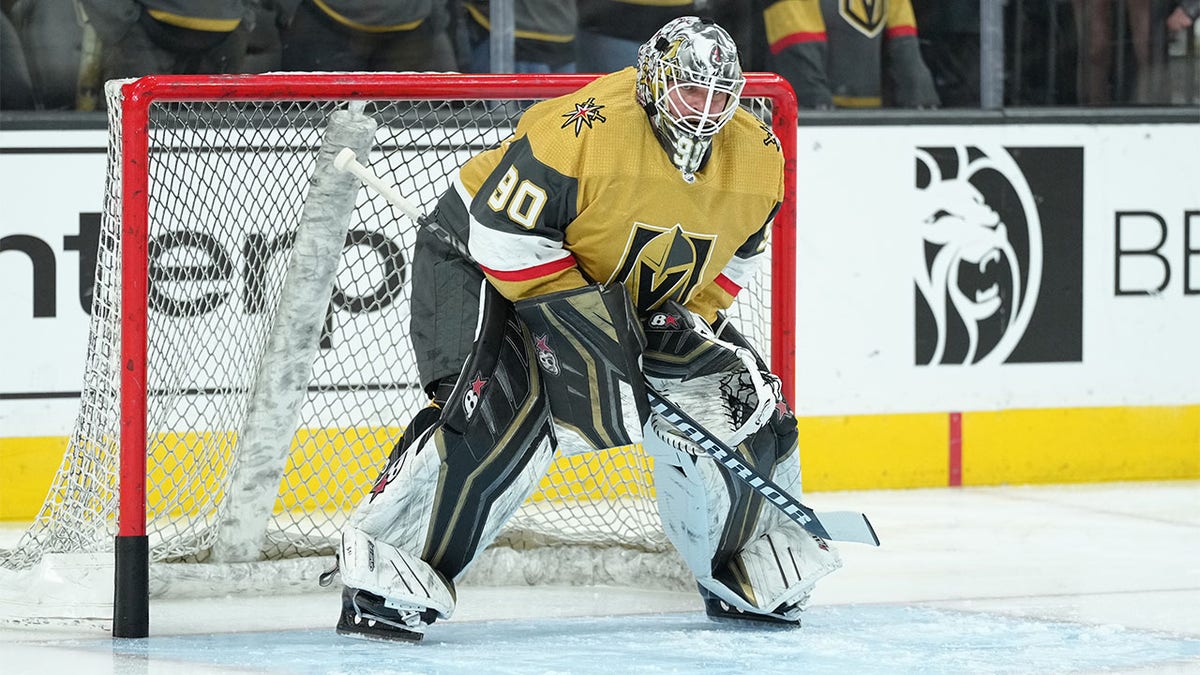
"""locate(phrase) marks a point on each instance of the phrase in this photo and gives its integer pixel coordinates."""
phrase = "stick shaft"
(346, 161)
(842, 527)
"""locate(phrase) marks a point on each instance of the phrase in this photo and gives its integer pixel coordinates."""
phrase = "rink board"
(838, 453)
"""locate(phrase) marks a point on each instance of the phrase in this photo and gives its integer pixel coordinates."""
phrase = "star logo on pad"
(477, 384)
(545, 355)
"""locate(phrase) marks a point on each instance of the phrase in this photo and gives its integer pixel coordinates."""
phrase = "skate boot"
(368, 616)
(784, 616)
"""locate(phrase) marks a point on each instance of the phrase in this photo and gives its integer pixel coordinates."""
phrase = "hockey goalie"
(582, 263)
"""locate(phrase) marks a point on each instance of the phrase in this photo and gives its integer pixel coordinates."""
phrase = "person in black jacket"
(16, 89)
(349, 35)
(543, 36)
(146, 37)
(949, 42)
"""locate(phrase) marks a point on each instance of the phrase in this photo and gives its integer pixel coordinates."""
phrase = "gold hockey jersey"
(583, 193)
(831, 51)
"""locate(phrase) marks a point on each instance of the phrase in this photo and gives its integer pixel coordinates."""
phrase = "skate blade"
(392, 636)
(750, 620)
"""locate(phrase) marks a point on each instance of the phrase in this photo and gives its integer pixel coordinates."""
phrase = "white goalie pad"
(401, 578)
(782, 562)
(781, 568)
(418, 484)
(398, 506)
(691, 496)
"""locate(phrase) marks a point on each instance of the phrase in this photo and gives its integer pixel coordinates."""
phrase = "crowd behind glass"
(55, 54)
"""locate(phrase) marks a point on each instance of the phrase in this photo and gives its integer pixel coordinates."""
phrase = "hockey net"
(209, 181)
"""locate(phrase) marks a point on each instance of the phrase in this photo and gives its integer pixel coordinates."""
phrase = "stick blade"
(848, 526)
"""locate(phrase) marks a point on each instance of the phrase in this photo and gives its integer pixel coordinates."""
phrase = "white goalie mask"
(689, 81)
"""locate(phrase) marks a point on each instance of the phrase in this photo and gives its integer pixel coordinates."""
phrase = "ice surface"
(1089, 578)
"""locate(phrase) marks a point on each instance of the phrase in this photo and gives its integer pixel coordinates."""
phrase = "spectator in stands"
(144, 37)
(1098, 78)
(56, 52)
(16, 89)
(544, 36)
(611, 31)
(950, 48)
(836, 58)
(264, 45)
(381, 35)
(1183, 15)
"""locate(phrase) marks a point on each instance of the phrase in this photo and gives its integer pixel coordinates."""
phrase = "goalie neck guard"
(689, 82)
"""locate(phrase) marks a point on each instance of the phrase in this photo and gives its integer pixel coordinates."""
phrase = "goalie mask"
(689, 81)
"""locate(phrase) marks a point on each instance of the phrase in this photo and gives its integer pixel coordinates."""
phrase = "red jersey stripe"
(727, 285)
(902, 31)
(530, 273)
(796, 38)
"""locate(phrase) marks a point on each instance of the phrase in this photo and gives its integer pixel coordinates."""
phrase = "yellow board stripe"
(1070, 445)
(873, 451)
(1063, 445)
(857, 101)
(27, 466)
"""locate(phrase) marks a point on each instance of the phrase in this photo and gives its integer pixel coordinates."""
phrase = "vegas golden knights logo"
(867, 16)
(662, 263)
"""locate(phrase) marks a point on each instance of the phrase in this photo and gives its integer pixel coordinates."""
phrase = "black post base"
(131, 588)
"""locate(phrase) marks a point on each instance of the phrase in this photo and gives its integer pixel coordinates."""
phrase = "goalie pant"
(466, 465)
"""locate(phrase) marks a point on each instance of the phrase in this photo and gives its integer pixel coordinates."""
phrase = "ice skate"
(784, 616)
(367, 616)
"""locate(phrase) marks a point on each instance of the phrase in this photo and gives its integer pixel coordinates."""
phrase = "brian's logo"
(390, 473)
(1001, 263)
(660, 264)
(546, 357)
(584, 113)
(665, 320)
(473, 394)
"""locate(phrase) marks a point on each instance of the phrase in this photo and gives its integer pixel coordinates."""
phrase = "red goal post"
(199, 112)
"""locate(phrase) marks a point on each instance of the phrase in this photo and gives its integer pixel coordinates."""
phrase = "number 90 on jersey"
(520, 199)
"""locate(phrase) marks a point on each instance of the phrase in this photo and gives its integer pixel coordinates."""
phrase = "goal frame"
(131, 583)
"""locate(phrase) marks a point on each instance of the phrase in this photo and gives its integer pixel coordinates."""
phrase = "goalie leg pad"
(406, 582)
(444, 497)
(588, 344)
(773, 574)
(747, 555)
(691, 496)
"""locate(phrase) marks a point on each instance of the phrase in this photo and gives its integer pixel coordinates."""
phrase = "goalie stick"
(833, 525)
(347, 161)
